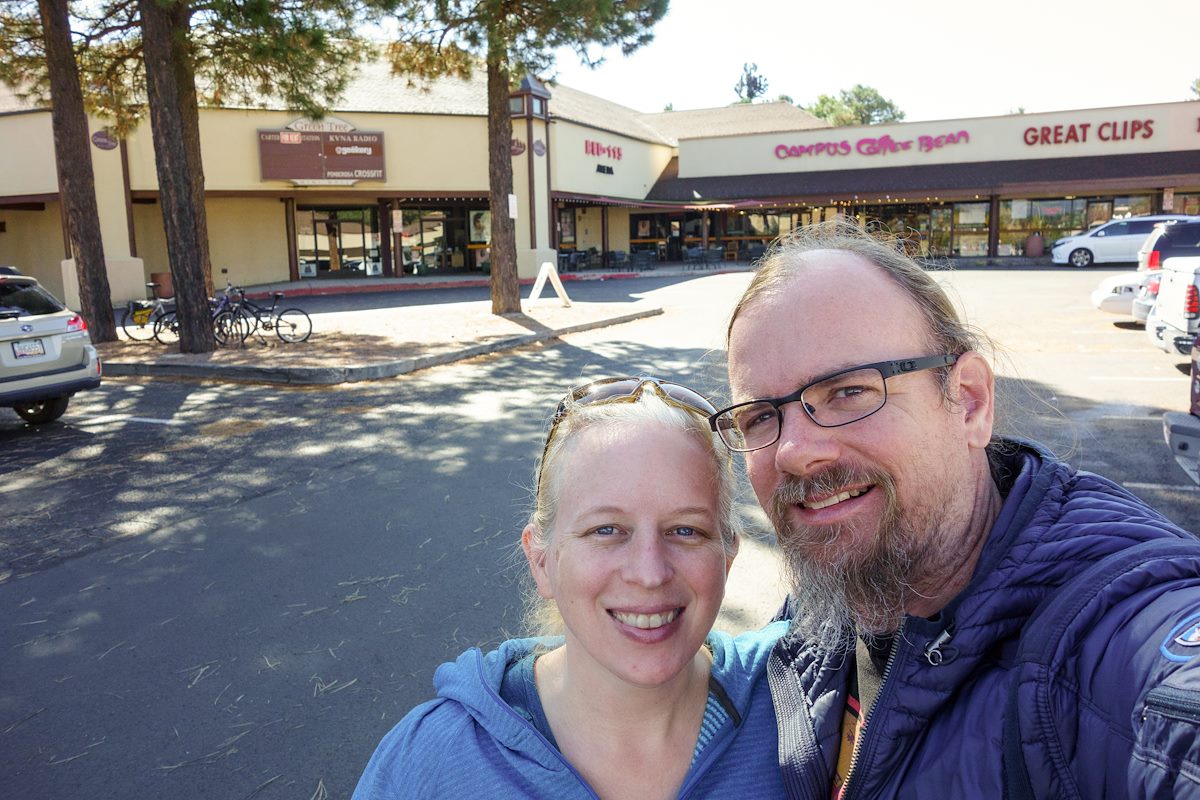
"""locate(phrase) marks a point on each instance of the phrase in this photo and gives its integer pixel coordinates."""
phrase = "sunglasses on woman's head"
(626, 390)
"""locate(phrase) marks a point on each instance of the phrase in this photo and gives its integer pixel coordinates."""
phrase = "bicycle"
(228, 326)
(291, 325)
(141, 316)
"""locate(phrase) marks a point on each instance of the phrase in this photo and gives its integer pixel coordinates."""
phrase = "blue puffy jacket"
(1113, 712)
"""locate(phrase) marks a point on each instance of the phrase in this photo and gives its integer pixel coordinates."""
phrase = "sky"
(935, 59)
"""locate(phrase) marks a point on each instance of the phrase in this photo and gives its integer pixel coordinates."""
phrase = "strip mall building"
(394, 181)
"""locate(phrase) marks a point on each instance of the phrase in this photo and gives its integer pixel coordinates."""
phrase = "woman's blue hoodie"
(469, 743)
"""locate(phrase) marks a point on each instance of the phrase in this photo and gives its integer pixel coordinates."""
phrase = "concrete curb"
(351, 373)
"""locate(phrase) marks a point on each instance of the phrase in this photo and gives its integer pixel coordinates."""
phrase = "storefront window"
(440, 239)
(941, 225)
(566, 226)
(970, 229)
(1132, 206)
(694, 226)
(647, 229)
(339, 241)
(1052, 219)
(1187, 204)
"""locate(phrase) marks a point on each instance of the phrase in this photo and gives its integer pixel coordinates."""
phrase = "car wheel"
(43, 410)
(1080, 258)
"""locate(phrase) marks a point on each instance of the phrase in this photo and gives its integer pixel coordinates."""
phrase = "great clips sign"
(1110, 130)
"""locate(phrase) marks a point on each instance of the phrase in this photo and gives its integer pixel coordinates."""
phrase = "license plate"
(28, 348)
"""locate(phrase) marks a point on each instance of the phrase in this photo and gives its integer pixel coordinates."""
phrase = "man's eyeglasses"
(830, 401)
(627, 390)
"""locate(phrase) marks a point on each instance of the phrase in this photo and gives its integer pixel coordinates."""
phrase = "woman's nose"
(648, 561)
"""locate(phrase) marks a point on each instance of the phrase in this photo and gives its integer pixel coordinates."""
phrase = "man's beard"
(837, 592)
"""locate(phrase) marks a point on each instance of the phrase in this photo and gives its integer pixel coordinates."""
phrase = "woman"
(631, 540)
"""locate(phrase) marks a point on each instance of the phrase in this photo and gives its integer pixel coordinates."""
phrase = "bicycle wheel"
(293, 325)
(166, 328)
(138, 323)
(229, 329)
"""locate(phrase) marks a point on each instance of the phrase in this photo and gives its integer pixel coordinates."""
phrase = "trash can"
(166, 289)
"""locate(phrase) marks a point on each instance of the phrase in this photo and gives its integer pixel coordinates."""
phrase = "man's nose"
(803, 446)
(648, 563)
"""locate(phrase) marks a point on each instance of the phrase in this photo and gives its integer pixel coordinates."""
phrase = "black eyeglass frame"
(888, 369)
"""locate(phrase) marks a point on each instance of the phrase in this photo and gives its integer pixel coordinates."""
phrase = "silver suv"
(46, 354)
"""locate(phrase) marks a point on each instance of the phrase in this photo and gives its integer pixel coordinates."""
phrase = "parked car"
(1117, 240)
(46, 354)
(1163, 240)
(1177, 308)
(1171, 238)
(1146, 296)
(1115, 293)
(1182, 430)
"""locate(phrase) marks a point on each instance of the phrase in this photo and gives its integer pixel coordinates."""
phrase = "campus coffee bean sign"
(329, 152)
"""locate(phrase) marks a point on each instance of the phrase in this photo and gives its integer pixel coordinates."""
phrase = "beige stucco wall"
(110, 198)
(618, 229)
(588, 228)
(33, 243)
(248, 238)
(151, 240)
(422, 152)
(1154, 128)
(27, 157)
(634, 173)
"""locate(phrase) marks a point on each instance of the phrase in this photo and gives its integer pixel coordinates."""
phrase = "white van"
(1117, 240)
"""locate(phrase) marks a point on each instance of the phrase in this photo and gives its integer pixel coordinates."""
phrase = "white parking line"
(1161, 487)
(124, 418)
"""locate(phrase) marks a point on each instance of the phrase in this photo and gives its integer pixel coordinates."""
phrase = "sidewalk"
(382, 343)
(353, 346)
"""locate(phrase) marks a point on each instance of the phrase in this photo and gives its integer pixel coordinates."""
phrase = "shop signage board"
(321, 153)
(1154, 128)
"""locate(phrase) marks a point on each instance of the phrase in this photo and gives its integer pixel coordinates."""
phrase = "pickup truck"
(1175, 320)
(1182, 431)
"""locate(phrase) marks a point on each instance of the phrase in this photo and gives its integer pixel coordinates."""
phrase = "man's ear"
(536, 556)
(975, 388)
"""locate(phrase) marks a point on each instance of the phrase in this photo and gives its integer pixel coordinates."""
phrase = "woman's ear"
(536, 556)
(976, 391)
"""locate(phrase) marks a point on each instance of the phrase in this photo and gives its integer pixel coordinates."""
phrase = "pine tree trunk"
(76, 180)
(506, 289)
(174, 123)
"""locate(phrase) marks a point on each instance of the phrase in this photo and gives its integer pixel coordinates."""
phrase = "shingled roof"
(734, 120)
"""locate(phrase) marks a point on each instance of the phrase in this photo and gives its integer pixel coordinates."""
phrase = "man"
(920, 546)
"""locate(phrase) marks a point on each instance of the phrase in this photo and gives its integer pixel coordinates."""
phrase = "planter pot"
(1035, 247)
(166, 289)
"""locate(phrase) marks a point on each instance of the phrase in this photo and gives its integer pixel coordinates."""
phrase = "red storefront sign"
(1108, 131)
(594, 148)
(873, 146)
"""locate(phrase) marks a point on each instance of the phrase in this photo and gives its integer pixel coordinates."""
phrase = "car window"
(1113, 229)
(26, 298)
(1179, 237)
(1141, 226)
